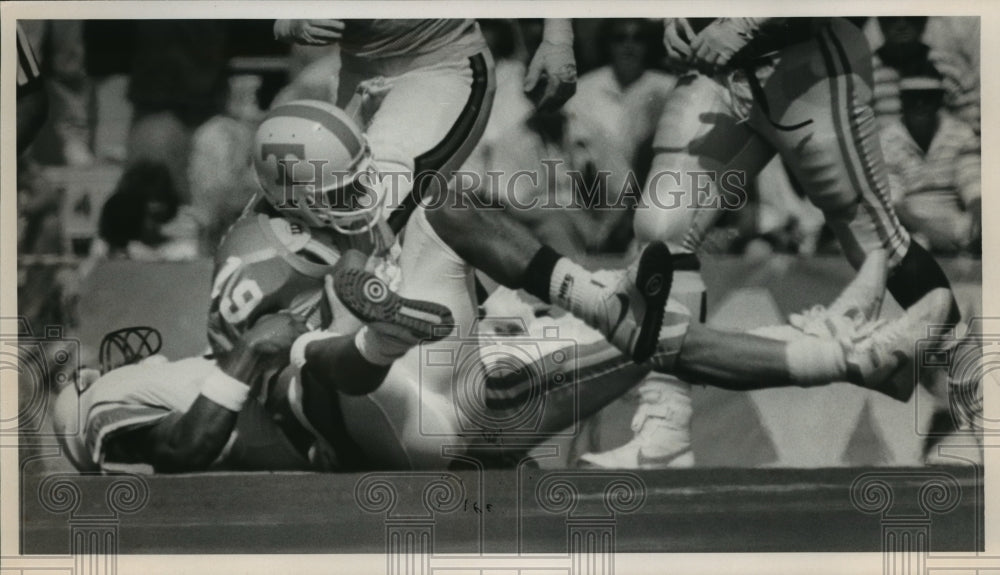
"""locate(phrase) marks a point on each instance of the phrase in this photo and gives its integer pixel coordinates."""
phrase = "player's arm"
(551, 76)
(192, 440)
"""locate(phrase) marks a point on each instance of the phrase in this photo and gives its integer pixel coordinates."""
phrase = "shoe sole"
(370, 299)
(654, 279)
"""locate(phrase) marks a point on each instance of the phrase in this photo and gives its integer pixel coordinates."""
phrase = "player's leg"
(574, 382)
(815, 108)
(774, 356)
(703, 159)
(418, 131)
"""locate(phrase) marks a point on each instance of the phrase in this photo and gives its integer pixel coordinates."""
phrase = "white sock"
(575, 289)
(379, 348)
(815, 361)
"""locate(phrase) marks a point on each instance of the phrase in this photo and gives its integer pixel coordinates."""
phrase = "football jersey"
(387, 38)
(266, 265)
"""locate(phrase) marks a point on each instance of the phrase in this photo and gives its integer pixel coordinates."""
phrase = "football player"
(797, 87)
(321, 195)
(427, 87)
(140, 412)
(241, 407)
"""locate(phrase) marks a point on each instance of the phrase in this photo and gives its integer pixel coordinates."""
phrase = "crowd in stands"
(173, 105)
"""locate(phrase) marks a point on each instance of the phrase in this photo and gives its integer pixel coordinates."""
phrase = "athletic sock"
(538, 274)
(379, 348)
(815, 361)
(573, 288)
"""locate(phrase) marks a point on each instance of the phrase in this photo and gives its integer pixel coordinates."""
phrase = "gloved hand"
(551, 77)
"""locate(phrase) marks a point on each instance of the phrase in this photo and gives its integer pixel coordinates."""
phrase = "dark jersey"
(266, 265)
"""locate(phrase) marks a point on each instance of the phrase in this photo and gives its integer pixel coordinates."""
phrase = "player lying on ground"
(799, 88)
(186, 415)
(237, 410)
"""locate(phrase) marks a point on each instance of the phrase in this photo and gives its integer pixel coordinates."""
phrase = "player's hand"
(677, 37)
(309, 32)
(551, 77)
(714, 46)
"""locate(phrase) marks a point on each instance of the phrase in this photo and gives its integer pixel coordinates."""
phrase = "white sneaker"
(880, 355)
(662, 427)
(859, 302)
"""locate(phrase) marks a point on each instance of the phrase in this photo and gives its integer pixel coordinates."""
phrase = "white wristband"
(226, 391)
(298, 353)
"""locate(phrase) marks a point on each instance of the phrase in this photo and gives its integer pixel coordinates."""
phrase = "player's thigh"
(818, 116)
(432, 271)
(430, 119)
(697, 141)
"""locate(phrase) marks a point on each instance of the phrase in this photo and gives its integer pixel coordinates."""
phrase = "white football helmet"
(314, 164)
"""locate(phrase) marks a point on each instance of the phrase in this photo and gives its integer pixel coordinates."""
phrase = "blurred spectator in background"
(138, 220)
(903, 43)
(511, 107)
(60, 53)
(42, 275)
(32, 103)
(934, 167)
(178, 81)
(560, 179)
(624, 98)
(220, 172)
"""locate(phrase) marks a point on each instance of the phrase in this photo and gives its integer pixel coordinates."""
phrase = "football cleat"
(662, 427)
(633, 326)
(860, 301)
(369, 298)
(881, 358)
